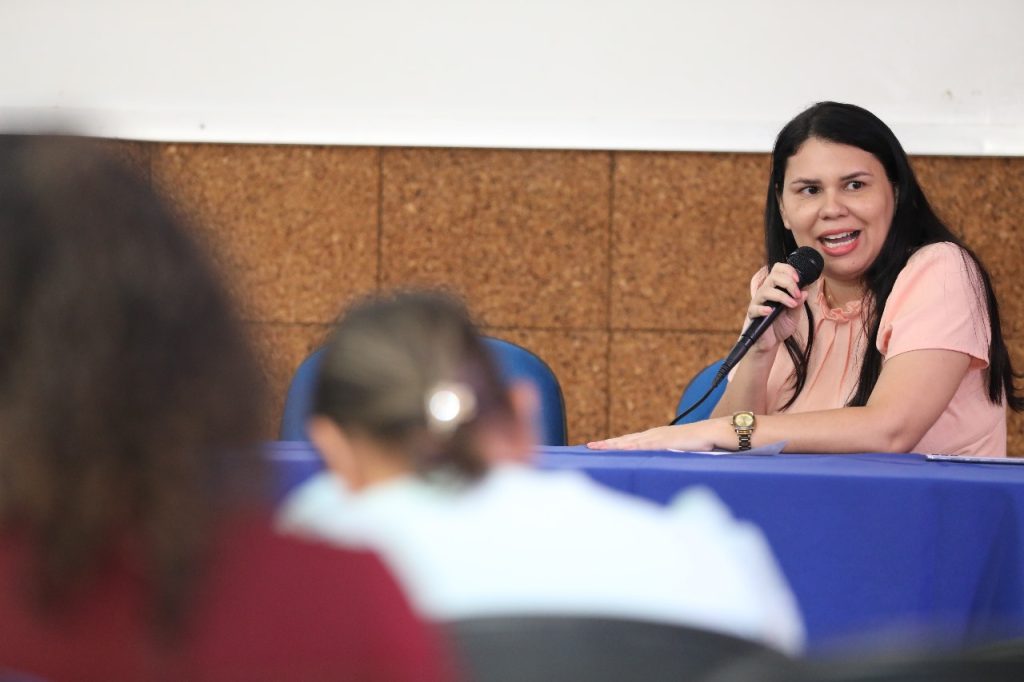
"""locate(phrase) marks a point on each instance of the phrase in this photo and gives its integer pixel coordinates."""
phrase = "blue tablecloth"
(874, 545)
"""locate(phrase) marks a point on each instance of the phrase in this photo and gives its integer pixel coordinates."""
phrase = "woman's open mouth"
(839, 243)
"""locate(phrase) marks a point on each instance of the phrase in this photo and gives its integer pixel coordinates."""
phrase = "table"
(875, 546)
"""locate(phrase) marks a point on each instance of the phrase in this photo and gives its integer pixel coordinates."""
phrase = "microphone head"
(808, 264)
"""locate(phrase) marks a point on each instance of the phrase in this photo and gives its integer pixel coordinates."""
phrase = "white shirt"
(523, 541)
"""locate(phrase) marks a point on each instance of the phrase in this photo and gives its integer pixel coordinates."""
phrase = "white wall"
(720, 75)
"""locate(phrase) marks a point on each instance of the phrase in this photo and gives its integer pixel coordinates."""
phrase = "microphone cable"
(808, 264)
(723, 371)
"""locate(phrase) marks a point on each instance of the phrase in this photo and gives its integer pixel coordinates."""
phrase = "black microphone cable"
(723, 372)
(808, 264)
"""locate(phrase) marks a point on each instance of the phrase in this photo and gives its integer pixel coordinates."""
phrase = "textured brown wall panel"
(649, 371)
(1015, 421)
(295, 228)
(980, 199)
(687, 237)
(626, 272)
(522, 234)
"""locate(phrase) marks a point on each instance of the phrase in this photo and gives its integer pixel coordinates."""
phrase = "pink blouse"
(937, 302)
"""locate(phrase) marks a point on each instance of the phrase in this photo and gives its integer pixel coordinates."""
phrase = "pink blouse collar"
(851, 311)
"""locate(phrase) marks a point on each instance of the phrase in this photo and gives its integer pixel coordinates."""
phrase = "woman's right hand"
(780, 286)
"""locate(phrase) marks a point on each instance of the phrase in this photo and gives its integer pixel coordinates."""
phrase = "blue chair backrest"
(298, 403)
(697, 387)
(515, 362)
(518, 364)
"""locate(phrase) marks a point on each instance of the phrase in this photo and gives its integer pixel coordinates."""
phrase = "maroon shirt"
(267, 608)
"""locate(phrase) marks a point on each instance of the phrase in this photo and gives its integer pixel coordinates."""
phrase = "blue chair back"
(298, 403)
(515, 362)
(697, 387)
(519, 364)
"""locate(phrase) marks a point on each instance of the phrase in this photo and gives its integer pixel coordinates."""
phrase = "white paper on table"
(769, 449)
(975, 459)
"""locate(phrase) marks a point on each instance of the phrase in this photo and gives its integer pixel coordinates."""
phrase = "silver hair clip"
(448, 405)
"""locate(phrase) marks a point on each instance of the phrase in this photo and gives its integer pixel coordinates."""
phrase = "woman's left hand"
(696, 436)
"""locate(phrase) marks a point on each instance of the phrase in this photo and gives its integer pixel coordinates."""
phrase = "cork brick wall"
(626, 271)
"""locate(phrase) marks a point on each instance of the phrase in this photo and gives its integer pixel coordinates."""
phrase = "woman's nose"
(832, 205)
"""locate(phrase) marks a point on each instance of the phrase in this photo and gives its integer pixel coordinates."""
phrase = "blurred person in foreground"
(133, 543)
(429, 464)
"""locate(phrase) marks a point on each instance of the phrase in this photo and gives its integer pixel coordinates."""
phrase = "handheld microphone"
(808, 264)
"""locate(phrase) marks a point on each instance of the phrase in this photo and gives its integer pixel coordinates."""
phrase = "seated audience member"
(428, 457)
(131, 547)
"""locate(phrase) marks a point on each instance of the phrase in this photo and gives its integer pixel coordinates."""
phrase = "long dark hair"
(914, 224)
(387, 357)
(128, 393)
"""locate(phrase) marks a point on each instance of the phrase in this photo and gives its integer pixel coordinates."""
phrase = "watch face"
(743, 420)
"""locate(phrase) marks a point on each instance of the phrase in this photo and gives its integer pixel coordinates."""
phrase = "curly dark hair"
(914, 224)
(129, 396)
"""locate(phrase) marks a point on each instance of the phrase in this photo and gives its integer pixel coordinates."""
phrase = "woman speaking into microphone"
(897, 347)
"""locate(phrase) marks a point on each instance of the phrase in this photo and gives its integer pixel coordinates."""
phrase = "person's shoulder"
(946, 255)
(696, 506)
(251, 542)
(312, 506)
(564, 492)
(946, 264)
(273, 600)
(701, 501)
(551, 481)
(275, 572)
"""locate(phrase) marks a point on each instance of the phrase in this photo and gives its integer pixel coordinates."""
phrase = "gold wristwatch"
(743, 424)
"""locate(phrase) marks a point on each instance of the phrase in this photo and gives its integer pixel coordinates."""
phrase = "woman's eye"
(854, 184)
(810, 190)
